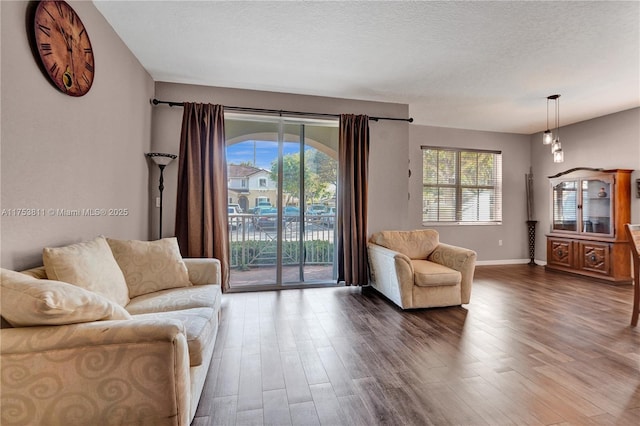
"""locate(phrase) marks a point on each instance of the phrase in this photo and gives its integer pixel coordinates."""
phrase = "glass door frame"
(280, 206)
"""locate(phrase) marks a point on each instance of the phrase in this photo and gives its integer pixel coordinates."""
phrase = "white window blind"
(461, 186)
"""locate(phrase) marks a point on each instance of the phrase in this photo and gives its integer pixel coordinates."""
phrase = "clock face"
(64, 47)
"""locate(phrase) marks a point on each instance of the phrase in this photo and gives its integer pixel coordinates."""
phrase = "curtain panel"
(201, 207)
(353, 169)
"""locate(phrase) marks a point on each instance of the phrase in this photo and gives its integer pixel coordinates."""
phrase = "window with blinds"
(462, 186)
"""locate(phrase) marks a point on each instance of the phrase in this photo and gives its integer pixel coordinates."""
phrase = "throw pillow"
(150, 266)
(89, 265)
(28, 301)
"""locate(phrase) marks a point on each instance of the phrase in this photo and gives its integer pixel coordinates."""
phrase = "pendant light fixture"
(548, 136)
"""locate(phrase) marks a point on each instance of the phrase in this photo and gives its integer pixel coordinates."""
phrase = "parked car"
(236, 207)
(261, 210)
(291, 214)
(266, 218)
(260, 205)
(328, 218)
(316, 209)
(314, 212)
(235, 221)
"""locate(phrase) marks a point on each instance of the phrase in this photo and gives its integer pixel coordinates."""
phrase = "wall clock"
(63, 46)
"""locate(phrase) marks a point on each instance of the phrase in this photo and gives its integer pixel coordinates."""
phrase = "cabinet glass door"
(596, 206)
(565, 206)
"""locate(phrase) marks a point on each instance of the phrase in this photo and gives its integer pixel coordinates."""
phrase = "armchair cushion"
(28, 301)
(89, 265)
(428, 274)
(150, 266)
(416, 244)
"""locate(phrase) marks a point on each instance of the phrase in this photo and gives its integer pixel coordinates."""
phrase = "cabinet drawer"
(595, 257)
(560, 252)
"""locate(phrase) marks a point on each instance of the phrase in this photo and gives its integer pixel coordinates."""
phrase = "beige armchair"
(414, 270)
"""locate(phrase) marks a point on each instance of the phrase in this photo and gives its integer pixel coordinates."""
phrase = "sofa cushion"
(430, 274)
(150, 266)
(28, 301)
(89, 265)
(416, 244)
(37, 272)
(199, 296)
(199, 324)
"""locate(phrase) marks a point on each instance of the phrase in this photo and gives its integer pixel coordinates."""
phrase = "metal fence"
(253, 240)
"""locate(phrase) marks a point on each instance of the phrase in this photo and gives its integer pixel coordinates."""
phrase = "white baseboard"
(508, 262)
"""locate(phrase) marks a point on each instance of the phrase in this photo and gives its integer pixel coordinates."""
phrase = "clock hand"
(64, 34)
(67, 75)
(73, 68)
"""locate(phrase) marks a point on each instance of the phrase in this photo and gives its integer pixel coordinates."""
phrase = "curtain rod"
(280, 111)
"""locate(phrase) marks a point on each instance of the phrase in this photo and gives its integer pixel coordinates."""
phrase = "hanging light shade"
(558, 156)
(548, 136)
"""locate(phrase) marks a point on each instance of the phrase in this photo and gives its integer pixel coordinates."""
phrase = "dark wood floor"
(532, 347)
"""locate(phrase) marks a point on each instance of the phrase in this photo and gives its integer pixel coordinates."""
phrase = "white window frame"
(455, 183)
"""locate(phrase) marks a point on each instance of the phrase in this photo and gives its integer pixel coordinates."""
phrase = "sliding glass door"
(282, 200)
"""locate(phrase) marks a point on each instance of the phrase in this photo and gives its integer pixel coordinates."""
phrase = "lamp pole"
(162, 160)
(161, 188)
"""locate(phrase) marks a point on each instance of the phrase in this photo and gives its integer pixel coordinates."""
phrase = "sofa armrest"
(203, 271)
(23, 340)
(460, 259)
(392, 272)
(129, 371)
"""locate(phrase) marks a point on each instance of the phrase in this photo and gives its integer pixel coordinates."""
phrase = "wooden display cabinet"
(589, 208)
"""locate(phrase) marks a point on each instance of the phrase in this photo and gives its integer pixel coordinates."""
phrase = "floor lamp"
(161, 159)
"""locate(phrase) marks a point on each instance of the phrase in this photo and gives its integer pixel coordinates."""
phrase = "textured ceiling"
(471, 65)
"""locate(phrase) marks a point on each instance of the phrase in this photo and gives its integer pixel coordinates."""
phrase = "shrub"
(263, 253)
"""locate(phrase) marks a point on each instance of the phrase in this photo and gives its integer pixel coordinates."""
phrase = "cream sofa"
(414, 270)
(85, 353)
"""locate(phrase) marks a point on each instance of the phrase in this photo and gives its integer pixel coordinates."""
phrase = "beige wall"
(612, 141)
(59, 152)
(515, 164)
(388, 166)
(609, 142)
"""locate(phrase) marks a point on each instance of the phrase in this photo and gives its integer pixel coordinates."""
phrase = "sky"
(265, 152)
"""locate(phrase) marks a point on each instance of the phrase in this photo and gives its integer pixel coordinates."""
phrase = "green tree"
(324, 166)
(317, 176)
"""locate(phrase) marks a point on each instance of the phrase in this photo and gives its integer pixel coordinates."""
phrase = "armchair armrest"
(460, 259)
(203, 271)
(129, 371)
(392, 274)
